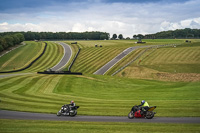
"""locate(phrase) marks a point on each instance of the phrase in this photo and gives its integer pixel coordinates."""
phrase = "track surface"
(110, 64)
(65, 59)
(39, 116)
(9, 75)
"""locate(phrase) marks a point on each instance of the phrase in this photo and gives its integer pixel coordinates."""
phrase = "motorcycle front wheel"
(58, 114)
(131, 115)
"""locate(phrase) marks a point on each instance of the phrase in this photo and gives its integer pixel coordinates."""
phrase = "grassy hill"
(92, 58)
(23, 56)
(178, 63)
(51, 57)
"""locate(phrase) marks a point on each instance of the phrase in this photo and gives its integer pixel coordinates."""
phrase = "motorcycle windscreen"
(151, 108)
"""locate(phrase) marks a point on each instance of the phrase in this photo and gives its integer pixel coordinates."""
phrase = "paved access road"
(110, 64)
(65, 59)
(39, 116)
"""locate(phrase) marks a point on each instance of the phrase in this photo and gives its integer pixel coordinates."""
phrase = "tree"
(9, 40)
(102, 36)
(16, 40)
(1, 48)
(134, 36)
(140, 36)
(3, 43)
(20, 37)
(120, 36)
(29, 35)
(114, 36)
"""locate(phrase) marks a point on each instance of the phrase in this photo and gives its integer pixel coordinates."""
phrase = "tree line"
(120, 36)
(172, 34)
(9, 40)
(63, 35)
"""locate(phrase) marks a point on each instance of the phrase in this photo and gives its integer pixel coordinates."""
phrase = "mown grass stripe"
(21, 56)
(12, 83)
(94, 60)
(50, 61)
(42, 61)
(23, 93)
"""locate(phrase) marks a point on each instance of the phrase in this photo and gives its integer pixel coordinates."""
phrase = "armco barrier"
(30, 63)
(74, 59)
(60, 72)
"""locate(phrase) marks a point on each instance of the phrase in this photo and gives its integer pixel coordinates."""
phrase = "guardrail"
(74, 59)
(60, 72)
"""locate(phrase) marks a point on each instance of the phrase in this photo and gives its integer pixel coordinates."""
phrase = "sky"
(126, 17)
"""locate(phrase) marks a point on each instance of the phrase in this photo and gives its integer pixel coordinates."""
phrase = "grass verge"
(33, 126)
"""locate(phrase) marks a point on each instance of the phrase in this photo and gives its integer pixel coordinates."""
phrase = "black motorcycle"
(68, 110)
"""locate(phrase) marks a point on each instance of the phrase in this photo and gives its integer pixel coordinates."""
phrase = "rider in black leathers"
(67, 107)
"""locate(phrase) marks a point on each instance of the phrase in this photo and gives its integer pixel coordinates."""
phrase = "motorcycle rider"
(72, 103)
(67, 107)
(144, 106)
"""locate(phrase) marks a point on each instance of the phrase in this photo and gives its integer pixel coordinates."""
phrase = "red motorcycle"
(140, 112)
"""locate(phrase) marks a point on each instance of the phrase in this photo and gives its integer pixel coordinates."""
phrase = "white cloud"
(188, 23)
(120, 18)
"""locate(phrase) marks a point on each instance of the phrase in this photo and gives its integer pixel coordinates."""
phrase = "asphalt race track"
(9, 75)
(65, 59)
(110, 64)
(4, 114)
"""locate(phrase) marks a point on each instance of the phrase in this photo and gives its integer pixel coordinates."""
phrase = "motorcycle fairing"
(151, 108)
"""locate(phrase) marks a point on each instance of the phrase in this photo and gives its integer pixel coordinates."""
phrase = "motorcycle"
(68, 110)
(137, 112)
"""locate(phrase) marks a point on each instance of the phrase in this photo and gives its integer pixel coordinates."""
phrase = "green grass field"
(105, 95)
(181, 62)
(97, 95)
(180, 59)
(92, 58)
(24, 55)
(51, 57)
(33, 126)
(21, 57)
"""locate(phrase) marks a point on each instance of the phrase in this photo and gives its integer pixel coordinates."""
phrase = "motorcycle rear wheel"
(131, 115)
(73, 114)
(149, 114)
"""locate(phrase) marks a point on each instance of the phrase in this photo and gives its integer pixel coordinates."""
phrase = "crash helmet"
(143, 101)
(72, 102)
